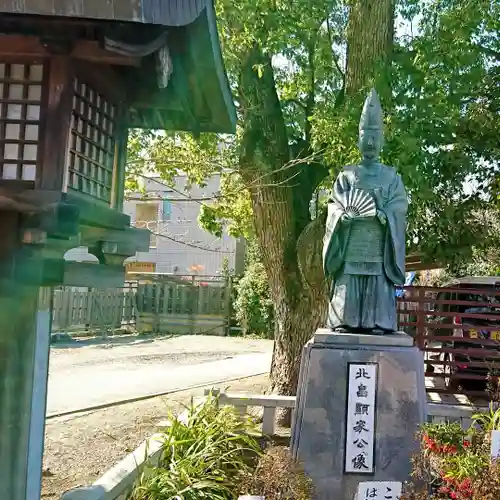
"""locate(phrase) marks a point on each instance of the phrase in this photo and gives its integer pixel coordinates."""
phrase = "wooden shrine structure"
(75, 75)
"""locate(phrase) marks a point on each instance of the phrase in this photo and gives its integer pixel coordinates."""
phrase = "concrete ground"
(87, 373)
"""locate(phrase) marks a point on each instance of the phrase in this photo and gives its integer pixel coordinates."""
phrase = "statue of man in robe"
(364, 245)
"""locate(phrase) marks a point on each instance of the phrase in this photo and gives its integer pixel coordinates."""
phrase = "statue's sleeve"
(395, 210)
(334, 242)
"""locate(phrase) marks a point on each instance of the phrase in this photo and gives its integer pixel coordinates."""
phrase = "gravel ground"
(79, 449)
(89, 372)
(185, 349)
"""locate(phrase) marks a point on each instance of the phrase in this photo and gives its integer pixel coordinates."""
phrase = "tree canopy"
(299, 73)
(442, 119)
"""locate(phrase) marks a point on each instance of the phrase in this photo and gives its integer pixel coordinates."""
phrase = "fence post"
(421, 313)
(194, 310)
(268, 420)
(229, 287)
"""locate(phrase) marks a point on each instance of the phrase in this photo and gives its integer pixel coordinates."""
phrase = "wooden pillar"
(57, 104)
(25, 315)
(120, 165)
(24, 351)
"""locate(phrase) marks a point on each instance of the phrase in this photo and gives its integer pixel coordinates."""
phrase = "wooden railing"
(269, 403)
(436, 412)
(461, 345)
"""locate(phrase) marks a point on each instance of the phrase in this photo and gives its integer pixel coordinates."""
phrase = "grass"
(204, 456)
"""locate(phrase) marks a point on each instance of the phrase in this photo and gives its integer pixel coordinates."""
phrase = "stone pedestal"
(319, 430)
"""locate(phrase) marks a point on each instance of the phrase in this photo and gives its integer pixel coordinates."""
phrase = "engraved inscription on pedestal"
(360, 422)
(381, 490)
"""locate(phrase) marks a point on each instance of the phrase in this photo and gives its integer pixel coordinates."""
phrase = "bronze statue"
(364, 245)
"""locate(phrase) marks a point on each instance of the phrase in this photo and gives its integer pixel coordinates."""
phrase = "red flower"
(449, 448)
(453, 495)
(466, 483)
(466, 443)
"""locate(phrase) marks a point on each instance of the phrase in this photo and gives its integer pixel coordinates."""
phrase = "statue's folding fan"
(358, 203)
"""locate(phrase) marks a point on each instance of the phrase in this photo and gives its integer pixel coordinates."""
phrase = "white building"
(178, 244)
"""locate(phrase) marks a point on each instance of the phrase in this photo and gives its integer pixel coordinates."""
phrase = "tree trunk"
(298, 307)
(280, 199)
(370, 34)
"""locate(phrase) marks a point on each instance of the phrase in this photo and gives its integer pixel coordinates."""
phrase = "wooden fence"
(189, 304)
(77, 309)
(459, 331)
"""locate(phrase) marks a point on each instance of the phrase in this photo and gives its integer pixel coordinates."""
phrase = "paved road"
(86, 374)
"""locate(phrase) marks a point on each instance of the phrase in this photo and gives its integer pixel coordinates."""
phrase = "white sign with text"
(379, 490)
(360, 421)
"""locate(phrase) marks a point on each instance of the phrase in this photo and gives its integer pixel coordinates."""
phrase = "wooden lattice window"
(92, 143)
(20, 103)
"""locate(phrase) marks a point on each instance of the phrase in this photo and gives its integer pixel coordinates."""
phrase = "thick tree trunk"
(298, 310)
(280, 200)
(370, 34)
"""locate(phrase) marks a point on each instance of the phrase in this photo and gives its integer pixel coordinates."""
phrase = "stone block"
(319, 430)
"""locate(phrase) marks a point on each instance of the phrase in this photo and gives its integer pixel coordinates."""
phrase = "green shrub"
(204, 457)
(253, 306)
(454, 463)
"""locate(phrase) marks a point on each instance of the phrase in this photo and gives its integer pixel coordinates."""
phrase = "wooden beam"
(57, 105)
(84, 50)
(9, 203)
(91, 51)
(93, 275)
(97, 214)
(15, 186)
(128, 239)
(120, 163)
(422, 266)
(102, 79)
(21, 46)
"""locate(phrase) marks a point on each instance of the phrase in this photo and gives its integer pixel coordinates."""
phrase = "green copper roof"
(164, 12)
(197, 97)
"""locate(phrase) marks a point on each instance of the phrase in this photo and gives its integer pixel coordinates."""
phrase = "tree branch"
(311, 96)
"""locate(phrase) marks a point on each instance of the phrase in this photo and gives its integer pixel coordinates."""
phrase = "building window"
(146, 217)
(92, 144)
(20, 102)
(166, 210)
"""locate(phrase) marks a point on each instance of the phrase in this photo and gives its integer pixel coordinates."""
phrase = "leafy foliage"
(455, 463)
(253, 306)
(231, 211)
(203, 457)
(441, 128)
(489, 421)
